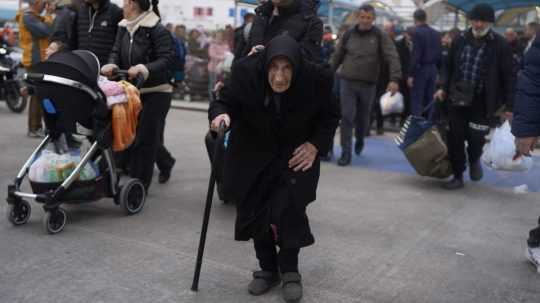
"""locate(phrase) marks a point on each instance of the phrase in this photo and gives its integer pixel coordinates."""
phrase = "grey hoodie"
(361, 58)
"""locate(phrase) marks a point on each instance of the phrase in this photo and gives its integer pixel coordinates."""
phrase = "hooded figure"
(280, 123)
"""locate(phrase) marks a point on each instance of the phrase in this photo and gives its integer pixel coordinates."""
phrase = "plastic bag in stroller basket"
(51, 167)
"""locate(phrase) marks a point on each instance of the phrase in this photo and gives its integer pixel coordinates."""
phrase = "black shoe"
(358, 147)
(455, 183)
(262, 282)
(345, 159)
(328, 157)
(165, 174)
(476, 172)
(292, 287)
(534, 238)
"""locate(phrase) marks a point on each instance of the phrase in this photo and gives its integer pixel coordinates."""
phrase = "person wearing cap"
(280, 109)
(477, 85)
(425, 57)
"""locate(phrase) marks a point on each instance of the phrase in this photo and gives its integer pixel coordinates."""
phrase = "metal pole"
(331, 14)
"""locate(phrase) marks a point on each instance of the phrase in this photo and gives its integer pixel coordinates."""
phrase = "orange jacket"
(125, 117)
(31, 49)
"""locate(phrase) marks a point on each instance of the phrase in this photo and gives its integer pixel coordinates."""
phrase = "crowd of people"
(289, 84)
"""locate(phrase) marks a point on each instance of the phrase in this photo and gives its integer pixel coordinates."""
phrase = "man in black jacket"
(94, 28)
(298, 18)
(241, 35)
(478, 83)
(282, 116)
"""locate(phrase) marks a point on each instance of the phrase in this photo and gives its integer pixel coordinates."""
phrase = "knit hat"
(482, 12)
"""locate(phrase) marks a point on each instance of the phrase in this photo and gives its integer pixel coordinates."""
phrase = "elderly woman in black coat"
(282, 117)
(144, 46)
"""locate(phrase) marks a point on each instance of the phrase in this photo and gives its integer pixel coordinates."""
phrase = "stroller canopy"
(80, 65)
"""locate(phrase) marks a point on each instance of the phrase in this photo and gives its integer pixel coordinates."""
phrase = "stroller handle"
(123, 75)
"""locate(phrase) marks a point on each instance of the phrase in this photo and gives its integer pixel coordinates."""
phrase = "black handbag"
(461, 94)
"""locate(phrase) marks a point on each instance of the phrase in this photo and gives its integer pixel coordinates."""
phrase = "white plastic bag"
(392, 104)
(51, 167)
(499, 153)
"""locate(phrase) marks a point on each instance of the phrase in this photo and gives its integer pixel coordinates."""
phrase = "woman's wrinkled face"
(280, 73)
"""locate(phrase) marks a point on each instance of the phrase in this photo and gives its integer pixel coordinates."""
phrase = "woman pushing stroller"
(144, 46)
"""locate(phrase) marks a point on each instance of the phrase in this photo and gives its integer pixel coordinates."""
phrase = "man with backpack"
(298, 18)
(357, 61)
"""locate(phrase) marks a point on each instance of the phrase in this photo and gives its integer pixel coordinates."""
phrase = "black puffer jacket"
(298, 20)
(94, 30)
(151, 45)
(64, 23)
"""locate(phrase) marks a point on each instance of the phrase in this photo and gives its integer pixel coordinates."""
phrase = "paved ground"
(382, 236)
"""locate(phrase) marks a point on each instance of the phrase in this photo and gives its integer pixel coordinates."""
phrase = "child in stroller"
(74, 107)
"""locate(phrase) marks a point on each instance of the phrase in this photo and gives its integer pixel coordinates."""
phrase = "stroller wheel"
(19, 213)
(54, 220)
(132, 196)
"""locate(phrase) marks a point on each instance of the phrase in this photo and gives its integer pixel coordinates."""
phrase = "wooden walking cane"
(217, 157)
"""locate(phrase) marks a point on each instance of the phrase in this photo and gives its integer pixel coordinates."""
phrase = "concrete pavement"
(382, 236)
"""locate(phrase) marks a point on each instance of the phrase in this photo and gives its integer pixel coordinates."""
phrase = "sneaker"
(475, 171)
(455, 183)
(262, 282)
(165, 175)
(36, 133)
(533, 255)
(292, 287)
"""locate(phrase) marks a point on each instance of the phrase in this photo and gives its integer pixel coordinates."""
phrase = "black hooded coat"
(299, 20)
(266, 129)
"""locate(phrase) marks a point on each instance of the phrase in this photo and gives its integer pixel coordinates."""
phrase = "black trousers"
(534, 236)
(164, 159)
(467, 124)
(286, 260)
(143, 153)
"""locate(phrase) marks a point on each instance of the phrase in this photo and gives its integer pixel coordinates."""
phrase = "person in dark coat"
(478, 84)
(282, 116)
(526, 121)
(425, 57)
(296, 17)
(66, 14)
(144, 46)
(241, 35)
(404, 49)
(94, 29)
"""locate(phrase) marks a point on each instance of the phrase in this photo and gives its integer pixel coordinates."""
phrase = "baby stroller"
(74, 106)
